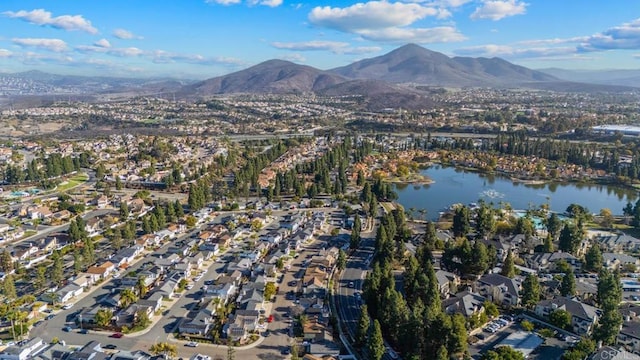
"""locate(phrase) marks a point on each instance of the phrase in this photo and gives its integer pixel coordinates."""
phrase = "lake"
(453, 185)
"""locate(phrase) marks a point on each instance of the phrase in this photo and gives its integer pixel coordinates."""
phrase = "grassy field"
(73, 182)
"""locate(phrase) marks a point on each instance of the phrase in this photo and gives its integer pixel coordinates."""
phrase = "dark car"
(49, 317)
(83, 331)
(285, 351)
(110, 346)
(66, 329)
(117, 335)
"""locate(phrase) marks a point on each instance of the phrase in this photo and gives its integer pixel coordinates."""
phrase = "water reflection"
(460, 186)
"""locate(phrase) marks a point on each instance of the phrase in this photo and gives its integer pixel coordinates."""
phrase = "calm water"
(458, 186)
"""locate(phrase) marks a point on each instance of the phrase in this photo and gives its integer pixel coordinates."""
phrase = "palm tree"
(127, 297)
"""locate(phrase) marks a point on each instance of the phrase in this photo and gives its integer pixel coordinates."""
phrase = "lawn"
(73, 182)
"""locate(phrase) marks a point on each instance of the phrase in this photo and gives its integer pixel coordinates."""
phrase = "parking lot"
(494, 333)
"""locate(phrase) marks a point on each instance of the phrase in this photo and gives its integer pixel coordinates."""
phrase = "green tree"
(461, 221)
(269, 290)
(375, 343)
(127, 297)
(6, 262)
(103, 317)
(164, 348)
(458, 335)
(530, 291)
(490, 309)
(124, 210)
(57, 270)
(553, 224)
(561, 318)
(608, 297)
(9, 287)
(593, 258)
(41, 277)
(341, 263)
(362, 331)
(568, 284)
(606, 218)
(503, 353)
(547, 246)
(508, 268)
(141, 286)
(485, 220)
(527, 325)
(142, 320)
(442, 353)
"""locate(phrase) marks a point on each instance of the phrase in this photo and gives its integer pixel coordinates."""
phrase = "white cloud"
(121, 52)
(269, 3)
(493, 50)
(4, 53)
(165, 57)
(310, 45)
(125, 34)
(362, 50)
(415, 35)
(386, 22)
(336, 47)
(625, 36)
(298, 58)
(103, 43)
(55, 45)
(43, 17)
(369, 15)
(499, 9)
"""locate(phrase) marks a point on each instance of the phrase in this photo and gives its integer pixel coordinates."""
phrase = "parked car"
(191, 344)
(67, 306)
(49, 317)
(67, 329)
(117, 335)
(110, 347)
(83, 331)
(270, 319)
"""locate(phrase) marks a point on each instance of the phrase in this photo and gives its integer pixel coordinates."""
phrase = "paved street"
(270, 347)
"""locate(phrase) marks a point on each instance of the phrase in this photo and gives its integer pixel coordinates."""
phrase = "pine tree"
(530, 291)
(568, 284)
(375, 344)
(593, 259)
(362, 331)
(508, 268)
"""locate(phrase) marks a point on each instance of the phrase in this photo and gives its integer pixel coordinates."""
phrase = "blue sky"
(205, 38)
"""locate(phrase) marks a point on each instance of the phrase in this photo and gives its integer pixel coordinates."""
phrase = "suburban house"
(499, 289)
(447, 282)
(613, 261)
(542, 262)
(103, 270)
(241, 323)
(629, 335)
(583, 316)
(199, 323)
(619, 242)
(22, 352)
(465, 303)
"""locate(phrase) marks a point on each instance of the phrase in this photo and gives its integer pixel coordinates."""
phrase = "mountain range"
(402, 77)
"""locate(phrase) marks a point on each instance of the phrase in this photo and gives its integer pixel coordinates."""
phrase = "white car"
(67, 306)
(191, 344)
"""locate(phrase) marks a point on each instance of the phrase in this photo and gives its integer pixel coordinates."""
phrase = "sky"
(197, 39)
